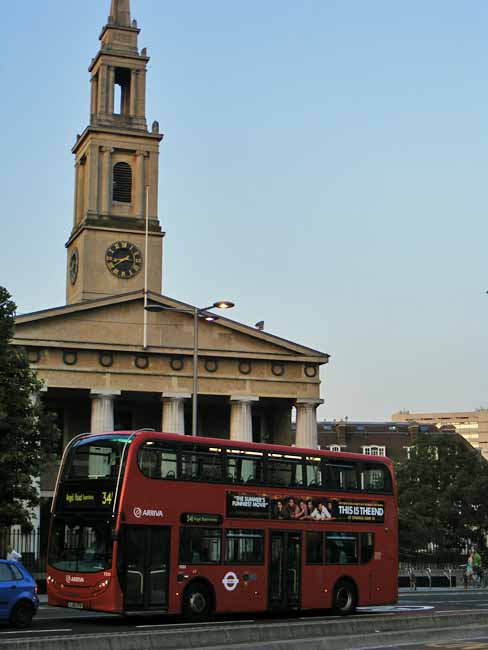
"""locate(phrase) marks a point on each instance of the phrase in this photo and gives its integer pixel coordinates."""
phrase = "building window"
(375, 450)
(335, 448)
(122, 187)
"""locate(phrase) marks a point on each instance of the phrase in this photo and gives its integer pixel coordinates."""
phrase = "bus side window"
(284, 470)
(342, 476)
(367, 547)
(168, 463)
(209, 464)
(375, 478)
(341, 548)
(149, 462)
(200, 545)
(315, 547)
(242, 545)
(313, 470)
(189, 464)
(243, 466)
(232, 467)
(157, 462)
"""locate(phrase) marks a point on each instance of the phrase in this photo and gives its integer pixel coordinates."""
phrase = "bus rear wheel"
(197, 603)
(345, 598)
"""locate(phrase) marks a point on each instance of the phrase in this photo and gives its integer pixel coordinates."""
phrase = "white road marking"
(196, 625)
(33, 630)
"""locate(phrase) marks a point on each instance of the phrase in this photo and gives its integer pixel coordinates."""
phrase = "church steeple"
(120, 13)
(116, 172)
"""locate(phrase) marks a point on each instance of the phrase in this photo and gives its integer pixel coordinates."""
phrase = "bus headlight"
(102, 585)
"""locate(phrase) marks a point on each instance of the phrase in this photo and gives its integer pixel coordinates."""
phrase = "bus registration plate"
(74, 605)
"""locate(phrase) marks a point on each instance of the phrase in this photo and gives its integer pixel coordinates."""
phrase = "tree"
(442, 496)
(28, 435)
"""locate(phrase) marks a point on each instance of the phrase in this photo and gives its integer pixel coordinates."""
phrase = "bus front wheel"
(345, 598)
(197, 603)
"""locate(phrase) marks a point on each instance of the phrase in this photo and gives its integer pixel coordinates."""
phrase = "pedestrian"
(468, 572)
(476, 566)
(12, 554)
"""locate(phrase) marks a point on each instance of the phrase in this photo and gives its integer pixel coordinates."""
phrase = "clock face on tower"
(123, 259)
(73, 266)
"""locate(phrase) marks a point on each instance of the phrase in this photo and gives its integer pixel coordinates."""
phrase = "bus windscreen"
(80, 545)
(99, 459)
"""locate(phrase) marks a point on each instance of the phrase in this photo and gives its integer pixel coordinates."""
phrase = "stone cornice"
(130, 226)
(294, 351)
(132, 133)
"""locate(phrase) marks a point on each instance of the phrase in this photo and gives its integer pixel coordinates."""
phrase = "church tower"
(116, 174)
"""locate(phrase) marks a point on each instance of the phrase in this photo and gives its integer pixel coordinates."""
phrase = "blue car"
(18, 594)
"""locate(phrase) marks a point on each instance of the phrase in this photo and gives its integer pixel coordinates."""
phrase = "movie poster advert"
(306, 508)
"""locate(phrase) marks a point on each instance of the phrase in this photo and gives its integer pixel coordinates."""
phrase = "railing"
(31, 546)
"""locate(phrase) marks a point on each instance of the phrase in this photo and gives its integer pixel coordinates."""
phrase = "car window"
(17, 574)
(5, 573)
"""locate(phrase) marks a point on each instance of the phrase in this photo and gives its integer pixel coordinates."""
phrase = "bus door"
(146, 566)
(284, 569)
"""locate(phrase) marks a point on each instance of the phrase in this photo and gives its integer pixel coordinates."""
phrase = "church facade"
(106, 362)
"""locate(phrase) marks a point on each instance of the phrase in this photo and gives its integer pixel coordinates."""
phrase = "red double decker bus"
(144, 521)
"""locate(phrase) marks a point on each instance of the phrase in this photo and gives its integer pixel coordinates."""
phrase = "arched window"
(122, 183)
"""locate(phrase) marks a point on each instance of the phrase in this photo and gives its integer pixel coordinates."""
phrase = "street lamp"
(197, 312)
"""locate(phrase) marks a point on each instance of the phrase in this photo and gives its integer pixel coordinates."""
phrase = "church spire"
(120, 13)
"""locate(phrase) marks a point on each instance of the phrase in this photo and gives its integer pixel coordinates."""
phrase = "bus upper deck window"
(243, 466)
(342, 476)
(284, 470)
(157, 461)
(95, 461)
(313, 468)
(199, 463)
(375, 478)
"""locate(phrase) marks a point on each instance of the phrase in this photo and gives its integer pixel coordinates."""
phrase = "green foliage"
(28, 435)
(442, 496)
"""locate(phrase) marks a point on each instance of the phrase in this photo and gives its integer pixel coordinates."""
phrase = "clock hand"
(122, 259)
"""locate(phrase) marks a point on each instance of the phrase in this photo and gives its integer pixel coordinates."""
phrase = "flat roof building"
(471, 425)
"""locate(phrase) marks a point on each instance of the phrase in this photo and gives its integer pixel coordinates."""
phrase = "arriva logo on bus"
(139, 512)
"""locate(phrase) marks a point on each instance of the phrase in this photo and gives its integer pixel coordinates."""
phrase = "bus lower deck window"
(200, 545)
(246, 546)
(341, 548)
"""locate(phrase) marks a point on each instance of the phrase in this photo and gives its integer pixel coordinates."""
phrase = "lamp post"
(197, 312)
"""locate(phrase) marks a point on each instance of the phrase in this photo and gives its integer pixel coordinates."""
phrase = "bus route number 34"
(107, 498)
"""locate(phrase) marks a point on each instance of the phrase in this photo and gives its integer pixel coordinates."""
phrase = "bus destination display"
(87, 499)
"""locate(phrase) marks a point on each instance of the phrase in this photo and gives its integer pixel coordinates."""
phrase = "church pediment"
(117, 323)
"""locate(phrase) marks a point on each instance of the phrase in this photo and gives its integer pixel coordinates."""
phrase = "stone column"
(81, 189)
(306, 435)
(140, 184)
(241, 417)
(133, 93)
(106, 201)
(174, 412)
(152, 180)
(94, 96)
(141, 94)
(111, 89)
(102, 90)
(92, 179)
(76, 208)
(102, 411)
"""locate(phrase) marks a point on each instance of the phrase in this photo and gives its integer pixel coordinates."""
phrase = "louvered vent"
(122, 183)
